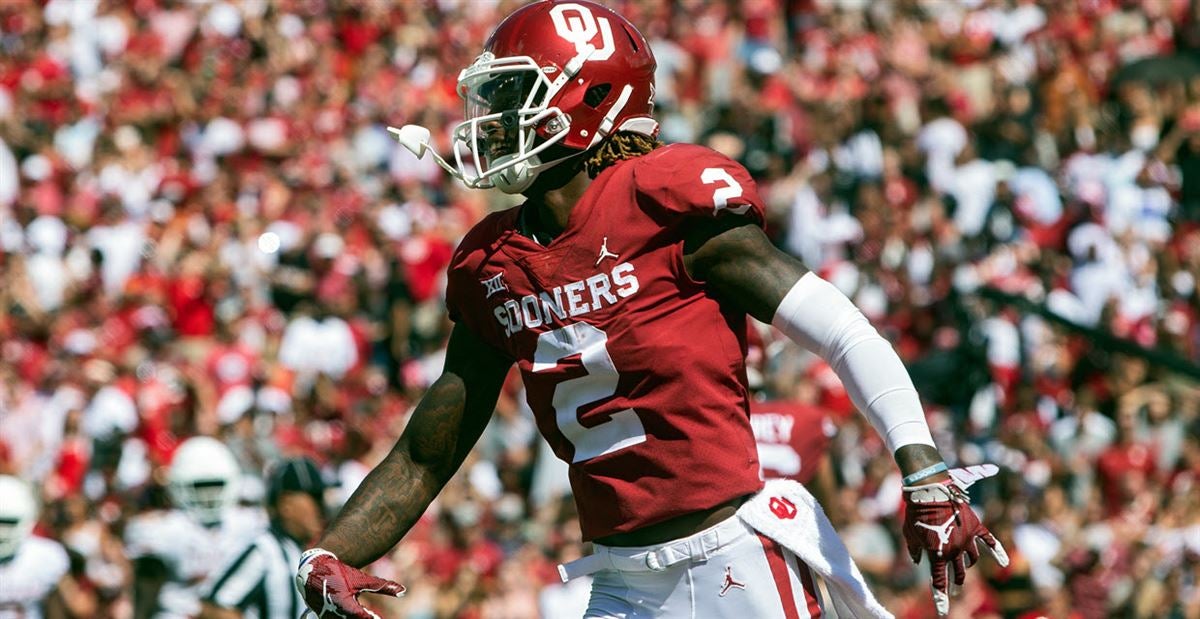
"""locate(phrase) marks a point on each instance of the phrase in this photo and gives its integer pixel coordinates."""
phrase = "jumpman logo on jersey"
(730, 583)
(604, 253)
(943, 532)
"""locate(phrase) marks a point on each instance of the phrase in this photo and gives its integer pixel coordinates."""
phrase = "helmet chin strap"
(514, 179)
(521, 175)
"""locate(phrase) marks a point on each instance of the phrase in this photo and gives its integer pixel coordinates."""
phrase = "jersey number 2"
(623, 428)
(731, 189)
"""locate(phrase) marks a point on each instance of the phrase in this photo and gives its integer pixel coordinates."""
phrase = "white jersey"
(31, 575)
(189, 550)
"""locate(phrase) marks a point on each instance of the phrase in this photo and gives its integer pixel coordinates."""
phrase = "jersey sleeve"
(54, 563)
(470, 282)
(148, 535)
(458, 294)
(463, 289)
(689, 181)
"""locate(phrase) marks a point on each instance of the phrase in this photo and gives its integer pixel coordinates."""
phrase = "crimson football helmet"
(553, 80)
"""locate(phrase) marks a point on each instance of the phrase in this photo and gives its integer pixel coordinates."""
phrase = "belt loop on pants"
(583, 566)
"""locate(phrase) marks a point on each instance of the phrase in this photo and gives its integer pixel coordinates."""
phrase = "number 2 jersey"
(635, 373)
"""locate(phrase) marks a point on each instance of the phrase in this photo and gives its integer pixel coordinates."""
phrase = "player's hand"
(330, 588)
(939, 521)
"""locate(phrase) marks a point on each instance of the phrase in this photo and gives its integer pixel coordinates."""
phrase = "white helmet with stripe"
(18, 512)
(203, 479)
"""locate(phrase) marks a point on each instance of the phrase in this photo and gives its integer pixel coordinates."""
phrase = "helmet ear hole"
(596, 94)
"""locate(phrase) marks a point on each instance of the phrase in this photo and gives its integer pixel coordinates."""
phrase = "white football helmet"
(203, 479)
(18, 512)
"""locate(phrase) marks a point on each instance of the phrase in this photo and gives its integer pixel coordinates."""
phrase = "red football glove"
(330, 588)
(938, 519)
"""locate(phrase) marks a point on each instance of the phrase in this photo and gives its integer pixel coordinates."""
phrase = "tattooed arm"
(743, 269)
(442, 430)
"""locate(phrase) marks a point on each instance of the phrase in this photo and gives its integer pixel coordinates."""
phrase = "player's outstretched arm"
(441, 431)
(742, 268)
(739, 264)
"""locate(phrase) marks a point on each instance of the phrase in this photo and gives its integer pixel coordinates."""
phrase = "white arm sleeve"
(819, 317)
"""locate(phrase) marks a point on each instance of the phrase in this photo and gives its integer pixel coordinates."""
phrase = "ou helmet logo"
(576, 24)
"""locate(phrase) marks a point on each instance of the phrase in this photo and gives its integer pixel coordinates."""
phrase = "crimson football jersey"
(635, 374)
(792, 438)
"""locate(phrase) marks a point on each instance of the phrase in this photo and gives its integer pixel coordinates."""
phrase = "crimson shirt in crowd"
(791, 437)
(1123, 468)
(231, 365)
(191, 308)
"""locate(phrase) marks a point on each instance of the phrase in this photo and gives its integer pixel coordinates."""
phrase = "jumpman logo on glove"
(330, 606)
(942, 531)
(332, 586)
(939, 522)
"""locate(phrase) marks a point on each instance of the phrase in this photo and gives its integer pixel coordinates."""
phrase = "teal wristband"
(928, 471)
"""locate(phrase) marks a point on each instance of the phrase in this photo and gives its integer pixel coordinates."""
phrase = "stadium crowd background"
(205, 229)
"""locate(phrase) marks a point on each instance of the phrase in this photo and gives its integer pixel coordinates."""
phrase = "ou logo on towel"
(782, 508)
(576, 24)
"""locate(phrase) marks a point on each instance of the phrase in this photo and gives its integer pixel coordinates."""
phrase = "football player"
(34, 571)
(256, 580)
(620, 289)
(174, 550)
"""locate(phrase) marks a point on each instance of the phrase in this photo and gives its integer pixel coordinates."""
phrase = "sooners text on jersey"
(635, 374)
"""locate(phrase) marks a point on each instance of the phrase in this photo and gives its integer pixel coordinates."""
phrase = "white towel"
(811, 537)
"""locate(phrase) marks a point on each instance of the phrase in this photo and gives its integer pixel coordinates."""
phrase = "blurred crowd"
(206, 230)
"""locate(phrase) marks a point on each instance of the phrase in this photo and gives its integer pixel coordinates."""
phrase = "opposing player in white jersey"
(34, 571)
(174, 550)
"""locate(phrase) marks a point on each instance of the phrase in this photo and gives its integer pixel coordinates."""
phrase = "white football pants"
(728, 570)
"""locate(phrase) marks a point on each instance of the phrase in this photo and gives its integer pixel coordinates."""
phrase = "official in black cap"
(258, 582)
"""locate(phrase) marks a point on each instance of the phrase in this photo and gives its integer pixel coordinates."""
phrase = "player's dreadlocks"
(617, 147)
